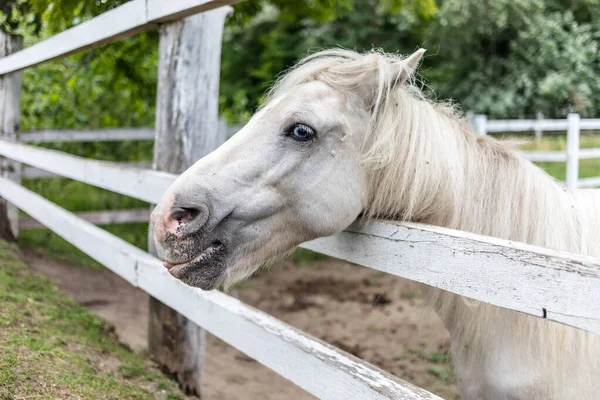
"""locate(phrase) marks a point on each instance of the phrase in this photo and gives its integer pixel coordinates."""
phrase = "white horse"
(345, 135)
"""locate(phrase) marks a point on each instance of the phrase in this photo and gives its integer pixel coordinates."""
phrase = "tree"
(258, 49)
(511, 58)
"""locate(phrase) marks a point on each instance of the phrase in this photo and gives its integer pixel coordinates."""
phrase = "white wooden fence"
(548, 284)
(573, 125)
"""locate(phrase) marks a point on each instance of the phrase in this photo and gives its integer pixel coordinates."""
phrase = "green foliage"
(32, 16)
(256, 51)
(511, 58)
(112, 86)
(506, 58)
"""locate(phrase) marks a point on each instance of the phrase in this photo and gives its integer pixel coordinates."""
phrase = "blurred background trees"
(505, 58)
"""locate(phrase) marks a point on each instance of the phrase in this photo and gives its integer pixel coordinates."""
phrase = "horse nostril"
(190, 219)
(184, 214)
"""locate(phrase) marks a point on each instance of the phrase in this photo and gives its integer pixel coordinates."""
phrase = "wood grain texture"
(10, 118)
(143, 184)
(560, 286)
(126, 20)
(186, 130)
(317, 367)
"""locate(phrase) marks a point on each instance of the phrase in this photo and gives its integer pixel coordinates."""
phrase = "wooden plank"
(146, 185)
(10, 118)
(36, 173)
(166, 11)
(97, 135)
(589, 153)
(319, 368)
(108, 135)
(126, 20)
(538, 125)
(589, 182)
(187, 129)
(98, 218)
(590, 124)
(123, 21)
(102, 246)
(560, 286)
(537, 278)
(540, 156)
(524, 125)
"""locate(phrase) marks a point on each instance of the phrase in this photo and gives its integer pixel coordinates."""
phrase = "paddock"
(548, 284)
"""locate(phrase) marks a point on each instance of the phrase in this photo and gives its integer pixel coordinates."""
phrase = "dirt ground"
(377, 317)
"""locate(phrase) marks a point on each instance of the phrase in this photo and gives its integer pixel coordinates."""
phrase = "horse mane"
(428, 165)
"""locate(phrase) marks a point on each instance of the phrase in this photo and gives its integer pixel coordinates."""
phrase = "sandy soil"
(377, 317)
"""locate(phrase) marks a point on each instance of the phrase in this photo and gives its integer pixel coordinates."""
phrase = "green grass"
(439, 361)
(50, 347)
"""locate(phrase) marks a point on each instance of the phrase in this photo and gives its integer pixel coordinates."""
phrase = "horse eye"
(301, 132)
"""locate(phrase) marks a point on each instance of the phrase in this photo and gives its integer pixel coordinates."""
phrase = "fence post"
(10, 119)
(481, 124)
(469, 115)
(573, 150)
(538, 129)
(186, 130)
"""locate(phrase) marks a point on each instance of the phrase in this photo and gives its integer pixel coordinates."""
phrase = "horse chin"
(206, 271)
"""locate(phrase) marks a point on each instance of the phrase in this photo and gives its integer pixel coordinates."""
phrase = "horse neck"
(446, 175)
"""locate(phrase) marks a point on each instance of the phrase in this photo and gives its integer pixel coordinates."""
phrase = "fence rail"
(573, 125)
(143, 184)
(559, 286)
(97, 135)
(127, 20)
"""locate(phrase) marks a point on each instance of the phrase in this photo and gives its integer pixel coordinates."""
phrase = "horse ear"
(409, 65)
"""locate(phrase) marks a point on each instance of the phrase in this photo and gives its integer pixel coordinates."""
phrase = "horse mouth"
(204, 270)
